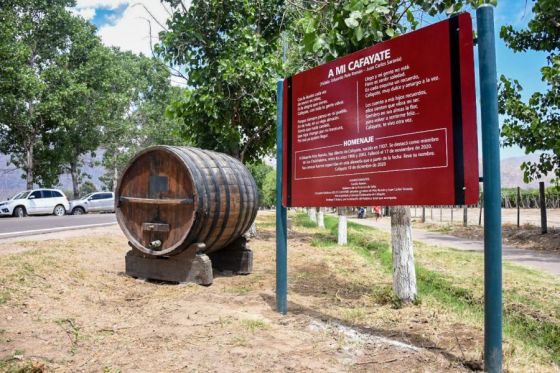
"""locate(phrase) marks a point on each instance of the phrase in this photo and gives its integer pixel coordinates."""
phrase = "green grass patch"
(266, 224)
(254, 325)
(531, 315)
(302, 220)
(238, 290)
(72, 330)
(5, 296)
(354, 314)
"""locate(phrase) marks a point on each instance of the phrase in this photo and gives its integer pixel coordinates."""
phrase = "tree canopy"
(322, 31)
(228, 52)
(146, 93)
(534, 124)
(32, 36)
(81, 100)
(63, 94)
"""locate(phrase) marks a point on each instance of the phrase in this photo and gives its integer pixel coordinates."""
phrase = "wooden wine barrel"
(170, 197)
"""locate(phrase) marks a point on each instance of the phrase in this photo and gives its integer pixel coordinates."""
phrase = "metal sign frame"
(390, 124)
(492, 199)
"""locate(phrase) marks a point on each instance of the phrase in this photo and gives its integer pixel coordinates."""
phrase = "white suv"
(35, 202)
(99, 201)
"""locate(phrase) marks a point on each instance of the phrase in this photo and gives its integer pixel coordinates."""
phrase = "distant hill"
(11, 180)
(512, 176)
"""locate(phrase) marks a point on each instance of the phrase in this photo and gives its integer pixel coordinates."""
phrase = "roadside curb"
(34, 232)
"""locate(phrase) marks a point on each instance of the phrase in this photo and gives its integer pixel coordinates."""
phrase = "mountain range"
(11, 180)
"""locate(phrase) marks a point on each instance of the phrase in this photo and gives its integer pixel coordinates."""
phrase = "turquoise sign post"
(281, 219)
(492, 190)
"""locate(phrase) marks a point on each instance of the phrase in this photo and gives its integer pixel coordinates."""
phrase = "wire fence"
(539, 207)
(527, 199)
(519, 207)
(475, 215)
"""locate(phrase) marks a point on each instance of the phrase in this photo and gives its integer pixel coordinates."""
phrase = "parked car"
(94, 202)
(35, 202)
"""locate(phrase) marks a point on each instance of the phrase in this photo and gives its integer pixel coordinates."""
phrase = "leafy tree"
(83, 97)
(228, 50)
(324, 31)
(269, 189)
(260, 170)
(63, 94)
(534, 125)
(87, 187)
(145, 90)
(32, 35)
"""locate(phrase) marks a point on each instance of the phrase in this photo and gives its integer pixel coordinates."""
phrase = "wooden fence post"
(518, 202)
(543, 207)
(465, 217)
(480, 211)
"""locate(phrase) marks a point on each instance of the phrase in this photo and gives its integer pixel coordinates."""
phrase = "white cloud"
(87, 13)
(132, 30)
(105, 4)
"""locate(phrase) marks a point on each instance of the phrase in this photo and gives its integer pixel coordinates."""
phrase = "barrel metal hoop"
(157, 201)
(242, 213)
(203, 209)
(216, 216)
(250, 211)
(226, 189)
(255, 201)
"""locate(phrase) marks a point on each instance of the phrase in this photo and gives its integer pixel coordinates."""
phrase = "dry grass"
(451, 284)
(67, 306)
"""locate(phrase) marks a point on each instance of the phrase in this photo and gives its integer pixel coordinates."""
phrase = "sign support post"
(492, 198)
(281, 220)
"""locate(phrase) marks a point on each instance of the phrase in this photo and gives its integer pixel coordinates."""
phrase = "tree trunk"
(321, 217)
(30, 149)
(29, 165)
(115, 177)
(404, 274)
(342, 226)
(313, 214)
(75, 181)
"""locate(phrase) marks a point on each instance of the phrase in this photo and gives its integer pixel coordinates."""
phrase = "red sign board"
(393, 124)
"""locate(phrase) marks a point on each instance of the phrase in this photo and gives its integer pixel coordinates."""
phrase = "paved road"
(31, 225)
(549, 262)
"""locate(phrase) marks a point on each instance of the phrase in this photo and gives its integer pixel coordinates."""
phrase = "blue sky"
(105, 16)
(524, 67)
(119, 22)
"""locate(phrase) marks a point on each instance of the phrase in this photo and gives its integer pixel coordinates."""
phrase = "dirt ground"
(67, 306)
(527, 236)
